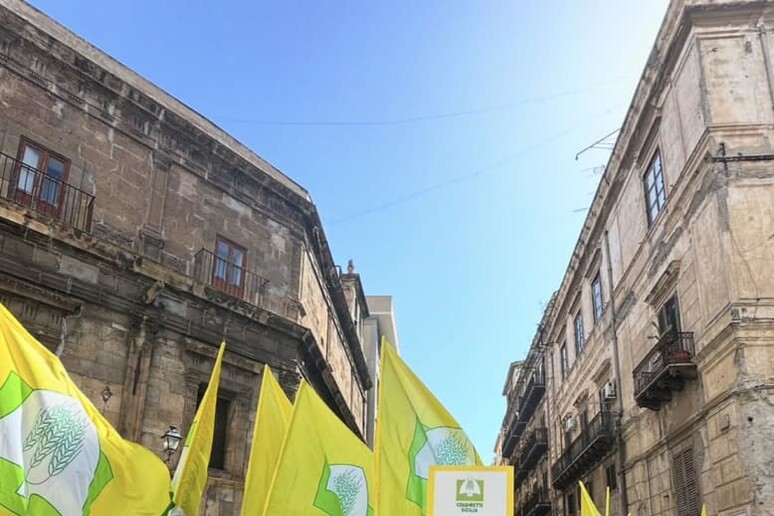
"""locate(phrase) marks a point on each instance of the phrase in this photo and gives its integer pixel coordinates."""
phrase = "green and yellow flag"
(58, 454)
(587, 504)
(413, 432)
(191, 473)
(271, 425)
(323, 467)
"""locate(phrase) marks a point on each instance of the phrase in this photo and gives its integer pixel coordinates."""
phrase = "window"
(571, 502)
(564, 364)
(669, 316)
(611, 478)
(584, 419)
(39, 176)
(218, 453)
(580, 341)
(596, 297)
(228, 270)
(655, 194)
(686, 484)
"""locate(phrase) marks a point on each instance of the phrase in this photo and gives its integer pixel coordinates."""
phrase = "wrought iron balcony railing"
(228, 278)
(534, 447)
(664, 370)
(44, 194)
(533, 393)
(535, 503)
(512, 436)
(587, 450)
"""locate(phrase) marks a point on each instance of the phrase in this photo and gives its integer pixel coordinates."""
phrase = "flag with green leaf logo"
(413, 432)
(58, 454)
(271, 425)
(323, 469)
(191, 473)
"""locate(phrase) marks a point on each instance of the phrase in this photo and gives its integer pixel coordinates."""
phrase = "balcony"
(536, 503)
(44, 194)
(515, 430)
(595, 441)
(664, 370)
(535, 446)
(228, 278)
(533, 393)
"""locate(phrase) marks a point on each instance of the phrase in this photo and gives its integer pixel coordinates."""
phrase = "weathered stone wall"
(122, 302)
(706, 103)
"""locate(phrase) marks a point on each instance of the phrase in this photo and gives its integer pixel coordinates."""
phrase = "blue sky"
(467, 219)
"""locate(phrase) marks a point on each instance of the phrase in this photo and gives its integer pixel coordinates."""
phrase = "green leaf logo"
(58, 432)
(442, 446)
(50, 454)
(343, 491)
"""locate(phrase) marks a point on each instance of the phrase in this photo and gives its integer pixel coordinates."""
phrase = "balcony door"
(39, 178)
(669, 316)
(228, 272)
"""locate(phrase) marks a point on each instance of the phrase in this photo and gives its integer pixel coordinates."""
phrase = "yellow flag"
(323, 467)
(191, 474)
(58, 454)
(703, 510)
(587, 504)
(413, 432)
(271, 424)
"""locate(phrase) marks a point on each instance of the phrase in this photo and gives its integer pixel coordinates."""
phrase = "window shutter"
(691, 484)
(686, 484)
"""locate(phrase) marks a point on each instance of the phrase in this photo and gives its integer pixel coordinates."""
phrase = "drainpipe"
(617, 368)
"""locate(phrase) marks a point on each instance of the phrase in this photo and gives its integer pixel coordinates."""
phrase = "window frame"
(564, 360)
(223, 415)
(579, 332)
(660, 195)
(597, 302)
(661, 315)
(225, 284)
(33, 198)
(611, 477)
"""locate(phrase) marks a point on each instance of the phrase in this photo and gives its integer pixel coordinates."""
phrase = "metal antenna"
(603, 143)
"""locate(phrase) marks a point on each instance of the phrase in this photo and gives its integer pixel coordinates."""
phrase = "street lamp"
(172, 439)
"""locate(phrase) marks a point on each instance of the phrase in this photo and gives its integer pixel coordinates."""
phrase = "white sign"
(471, 490)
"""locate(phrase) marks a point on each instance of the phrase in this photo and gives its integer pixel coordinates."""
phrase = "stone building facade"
(659, 343)
(135, 236)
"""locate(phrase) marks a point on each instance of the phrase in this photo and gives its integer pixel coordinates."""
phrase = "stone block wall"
(120, 301)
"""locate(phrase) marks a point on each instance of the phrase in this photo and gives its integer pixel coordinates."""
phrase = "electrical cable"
(480, 171)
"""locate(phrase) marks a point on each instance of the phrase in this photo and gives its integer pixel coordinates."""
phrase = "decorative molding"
(664, 285)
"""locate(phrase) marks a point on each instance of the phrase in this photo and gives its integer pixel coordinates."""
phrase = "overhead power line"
(420, 118)
(470, 175)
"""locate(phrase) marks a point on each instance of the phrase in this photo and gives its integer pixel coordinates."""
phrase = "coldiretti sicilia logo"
(470, 494)
(470, 490)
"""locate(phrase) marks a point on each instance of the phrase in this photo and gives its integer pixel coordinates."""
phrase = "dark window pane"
(579, 335)
(596, 296)
(655, 191)
(50, 186)
(218, 453)
(55, 169)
